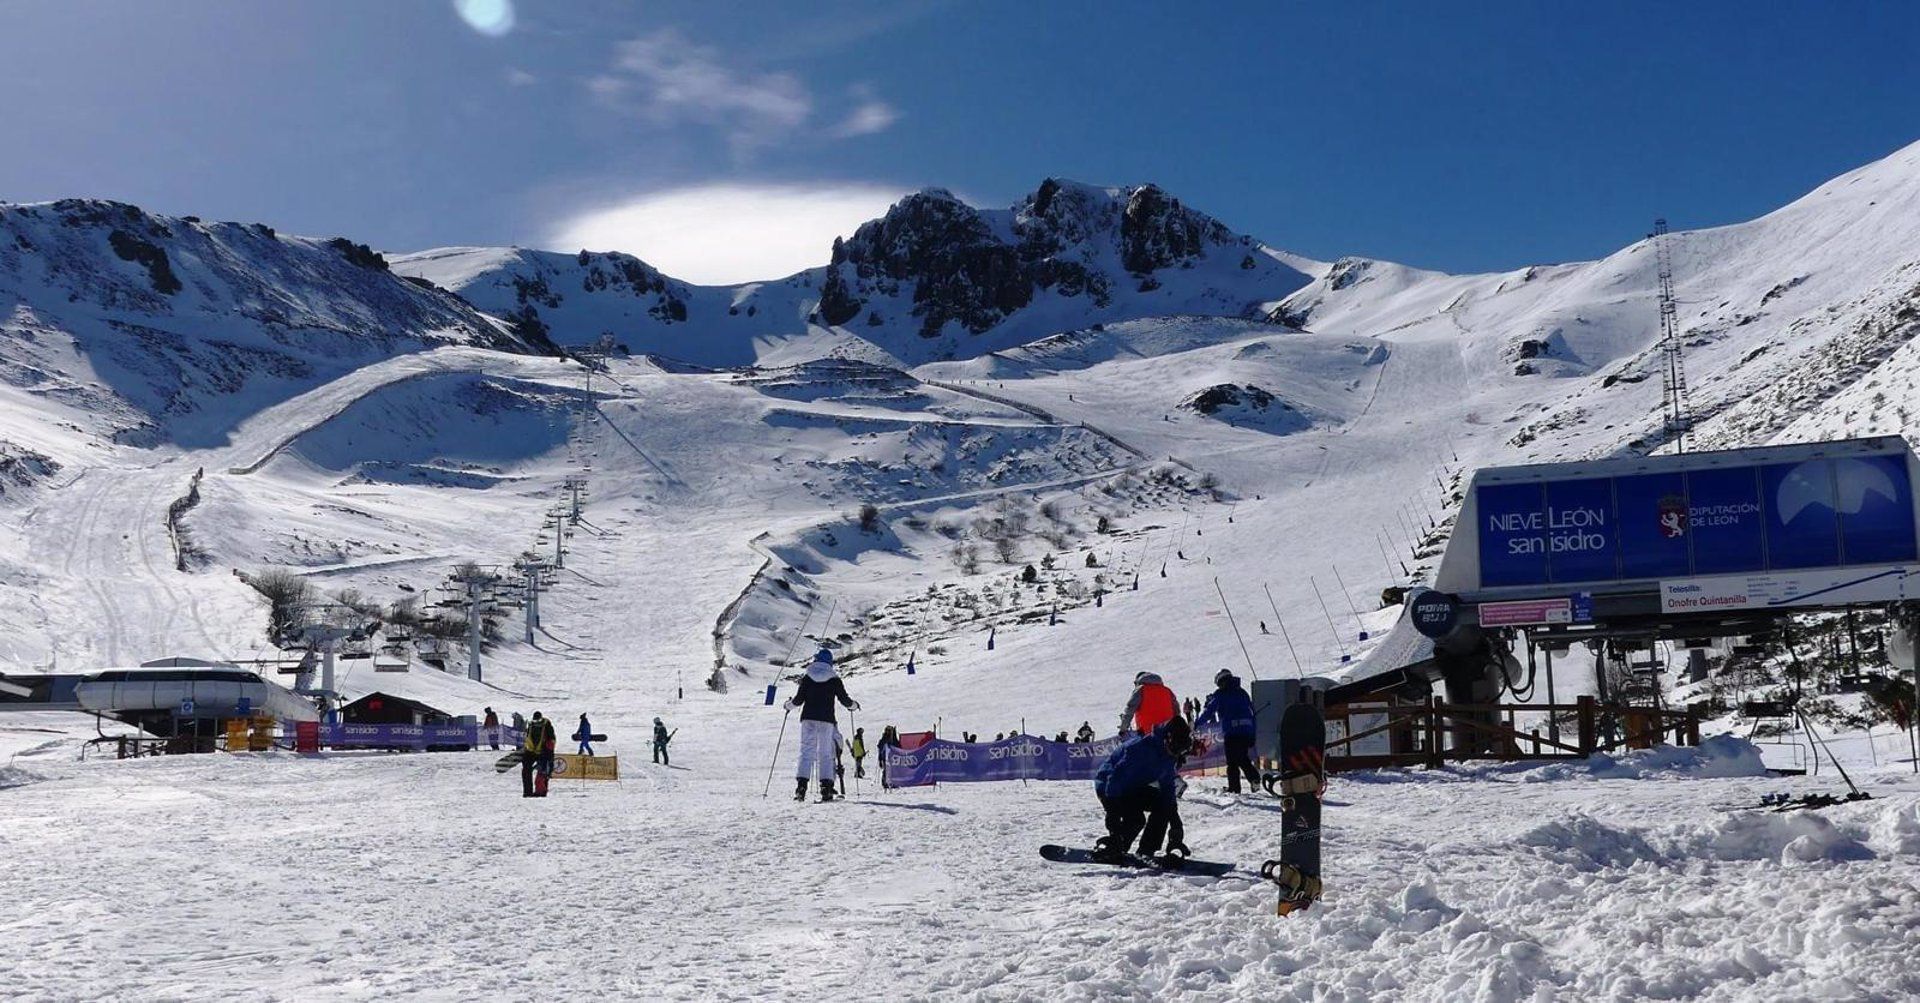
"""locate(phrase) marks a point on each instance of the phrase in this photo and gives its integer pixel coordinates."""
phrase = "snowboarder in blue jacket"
(1233, 709)
(1138, 787)
(585, 737)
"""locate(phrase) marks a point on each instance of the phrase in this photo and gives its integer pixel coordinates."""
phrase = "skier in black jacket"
(819, 688)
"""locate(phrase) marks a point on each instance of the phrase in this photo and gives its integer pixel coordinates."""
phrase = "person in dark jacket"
(889, 739)
(1233, 709)
(585, 737)
(819, 689)
(536, 753)
(492, 723)
(661, 736)
(1138, 787)
(1085, 735)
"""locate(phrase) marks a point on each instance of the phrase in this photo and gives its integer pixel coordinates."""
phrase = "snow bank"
(1896, 831)
(1587, 844)
(13, 776)
(1717, 757)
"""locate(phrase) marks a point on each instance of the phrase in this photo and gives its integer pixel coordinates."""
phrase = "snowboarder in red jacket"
(1152, 704)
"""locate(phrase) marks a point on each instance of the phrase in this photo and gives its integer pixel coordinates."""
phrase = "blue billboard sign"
(1816, 513)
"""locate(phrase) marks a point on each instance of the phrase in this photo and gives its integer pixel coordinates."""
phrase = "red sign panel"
(1526, 612)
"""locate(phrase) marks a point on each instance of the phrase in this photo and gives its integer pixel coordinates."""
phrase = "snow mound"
(1798, 837)
(1587, 844)
(13, 776)
(1896, 832)
(1718, 757)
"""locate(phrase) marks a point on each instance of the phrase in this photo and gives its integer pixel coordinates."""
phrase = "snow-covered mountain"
(933, 279)
(1780, 316)
(151, 329)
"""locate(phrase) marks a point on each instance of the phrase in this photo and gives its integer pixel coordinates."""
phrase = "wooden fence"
(1370, 736)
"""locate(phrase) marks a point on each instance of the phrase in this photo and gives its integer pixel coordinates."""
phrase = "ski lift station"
(1688, 545)
(1619, 554)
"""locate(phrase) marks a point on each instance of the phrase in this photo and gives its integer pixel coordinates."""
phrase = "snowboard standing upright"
(1303, 740)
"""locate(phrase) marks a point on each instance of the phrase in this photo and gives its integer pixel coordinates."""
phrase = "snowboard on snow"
(590, 738)
(1079, 855)
(1303, 741)
(508, 761)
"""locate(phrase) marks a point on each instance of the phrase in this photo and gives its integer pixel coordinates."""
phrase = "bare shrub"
(289, 602)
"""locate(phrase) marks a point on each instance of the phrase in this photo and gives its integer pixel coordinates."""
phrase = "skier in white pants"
(819, 688)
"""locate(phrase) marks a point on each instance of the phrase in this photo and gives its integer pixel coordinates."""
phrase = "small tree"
(1092, 561)
(1103, 525)
(289, 601)
(405, 612)
(1046, 561)
(869, 518)
(354, 600)
(1029, 575)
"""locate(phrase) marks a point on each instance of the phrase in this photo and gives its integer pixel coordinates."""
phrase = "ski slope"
(722, 525)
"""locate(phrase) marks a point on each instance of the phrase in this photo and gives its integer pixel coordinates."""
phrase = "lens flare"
(488, 17)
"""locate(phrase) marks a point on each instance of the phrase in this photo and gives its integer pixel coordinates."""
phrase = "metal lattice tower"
(1673, 376)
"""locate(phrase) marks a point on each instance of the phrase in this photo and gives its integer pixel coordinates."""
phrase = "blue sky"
(1470, 137)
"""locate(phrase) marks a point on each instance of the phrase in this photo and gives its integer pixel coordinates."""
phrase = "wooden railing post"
(1587, 735)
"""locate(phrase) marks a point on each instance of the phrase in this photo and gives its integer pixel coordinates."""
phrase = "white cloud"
(518, 77)
(669, 80)
(719, 234)
(870, 116)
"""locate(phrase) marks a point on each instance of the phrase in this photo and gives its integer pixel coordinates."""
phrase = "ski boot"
(1105, 852)
(800, 790)
(826, 791)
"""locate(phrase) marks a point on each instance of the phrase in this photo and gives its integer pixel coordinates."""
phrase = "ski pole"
(776, 751)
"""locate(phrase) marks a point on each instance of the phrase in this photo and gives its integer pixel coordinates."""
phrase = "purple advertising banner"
(398, 736)
(1022, 757)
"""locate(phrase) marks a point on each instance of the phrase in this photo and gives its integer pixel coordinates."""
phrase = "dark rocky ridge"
(1073, 239)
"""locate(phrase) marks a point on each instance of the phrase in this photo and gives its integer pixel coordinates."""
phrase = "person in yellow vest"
(536, 755)
(859, 749)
